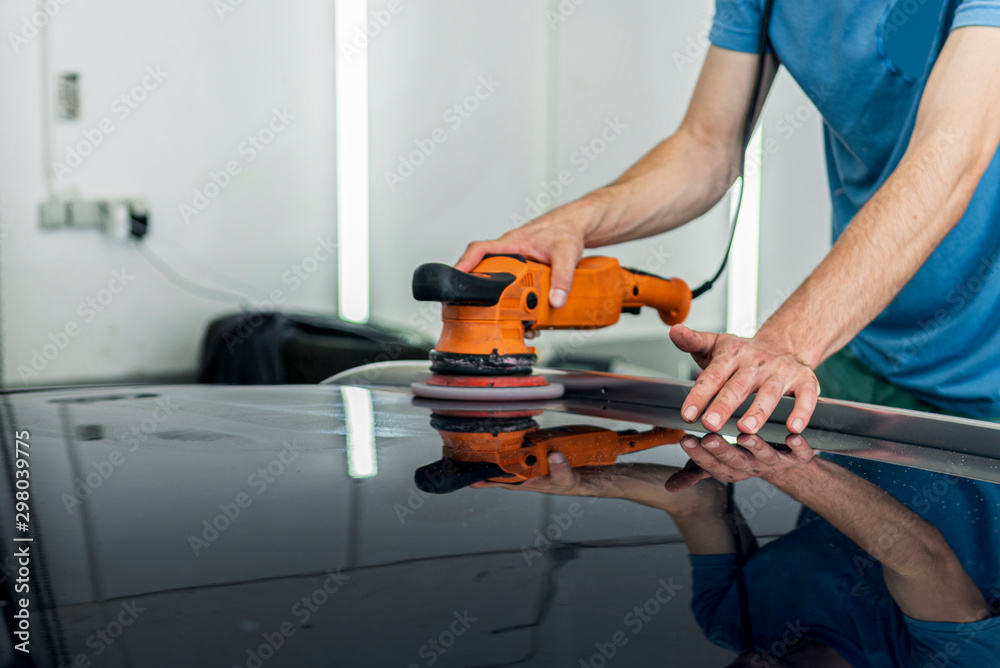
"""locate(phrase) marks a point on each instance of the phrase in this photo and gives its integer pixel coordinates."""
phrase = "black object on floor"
(279, 348)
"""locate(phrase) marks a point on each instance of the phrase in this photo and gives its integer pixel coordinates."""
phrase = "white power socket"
(53, 213)
(113, 217)
(84, 214)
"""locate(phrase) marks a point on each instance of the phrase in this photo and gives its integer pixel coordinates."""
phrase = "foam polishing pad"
(487, 388)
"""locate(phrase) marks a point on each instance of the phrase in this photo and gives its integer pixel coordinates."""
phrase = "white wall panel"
(221, 78)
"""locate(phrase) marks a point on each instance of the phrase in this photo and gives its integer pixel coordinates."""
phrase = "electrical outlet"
(87, 214)
(69, 96)
(119, 219)
(53, 213)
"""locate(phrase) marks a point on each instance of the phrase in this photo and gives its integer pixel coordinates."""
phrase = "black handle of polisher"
(448, 475)
(435, 282)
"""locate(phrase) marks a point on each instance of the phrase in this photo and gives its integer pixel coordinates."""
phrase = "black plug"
(138, 221)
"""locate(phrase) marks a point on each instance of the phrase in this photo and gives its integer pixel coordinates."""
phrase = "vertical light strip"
(352, 163)
(741, 305)
(359, 418)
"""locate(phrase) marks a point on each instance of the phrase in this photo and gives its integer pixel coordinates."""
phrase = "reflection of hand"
(713, 456)
(639, 483)
(563, 480)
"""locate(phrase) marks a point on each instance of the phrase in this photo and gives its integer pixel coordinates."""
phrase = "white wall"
(224, 76)
(432, 56)
(795, 231)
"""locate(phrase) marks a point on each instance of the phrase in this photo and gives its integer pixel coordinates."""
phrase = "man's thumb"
(686, 339)
(559, 469)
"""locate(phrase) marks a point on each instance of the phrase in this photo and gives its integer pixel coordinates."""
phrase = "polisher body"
(487, 312)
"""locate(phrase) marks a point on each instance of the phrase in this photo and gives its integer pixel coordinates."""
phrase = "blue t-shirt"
(817, 583)
(864, 64)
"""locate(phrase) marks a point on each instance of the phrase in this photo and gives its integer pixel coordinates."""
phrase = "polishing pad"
(486, 392)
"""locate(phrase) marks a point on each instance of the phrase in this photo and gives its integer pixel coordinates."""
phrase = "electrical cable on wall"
(748, 128)
(193, 287)
(191, 259)
(190, 286)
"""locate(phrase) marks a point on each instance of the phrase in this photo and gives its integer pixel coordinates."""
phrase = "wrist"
(599, 211)
(789, 341)
(791, 477)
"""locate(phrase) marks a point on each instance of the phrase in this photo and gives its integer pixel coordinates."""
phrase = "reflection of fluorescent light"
(362, 461)
(352, 162)
(741, 308)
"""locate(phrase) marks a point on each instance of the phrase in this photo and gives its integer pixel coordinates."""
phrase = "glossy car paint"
(280, 526)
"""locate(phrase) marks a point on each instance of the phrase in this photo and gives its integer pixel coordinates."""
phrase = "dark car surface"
(282, 526)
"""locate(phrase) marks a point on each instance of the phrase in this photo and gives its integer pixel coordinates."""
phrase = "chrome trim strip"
(958, 446)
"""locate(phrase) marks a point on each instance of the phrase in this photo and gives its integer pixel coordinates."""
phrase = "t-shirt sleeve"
(976, 13)
(736, 25)
(957, 645)
(714, 599)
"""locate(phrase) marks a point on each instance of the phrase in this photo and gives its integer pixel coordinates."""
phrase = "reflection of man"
(909, 93)
(865, 582)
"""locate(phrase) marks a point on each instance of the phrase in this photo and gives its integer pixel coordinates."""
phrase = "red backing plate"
(487, 381)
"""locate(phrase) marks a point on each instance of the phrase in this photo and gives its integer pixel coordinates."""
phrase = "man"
(909, 90)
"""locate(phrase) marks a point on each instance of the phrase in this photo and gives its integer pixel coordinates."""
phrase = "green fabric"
(844, 376)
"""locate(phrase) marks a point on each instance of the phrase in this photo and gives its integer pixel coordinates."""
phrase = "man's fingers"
(759, 448)
(764, 403)
(806, 396)
(686, 477)
(514, 486)
(729, 454)
(709, 462)
(473, 255)
(729, 398)
(800, 449)
(564, 261)
(705, 388)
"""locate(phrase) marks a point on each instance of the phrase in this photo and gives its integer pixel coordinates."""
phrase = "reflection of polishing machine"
(509, 447)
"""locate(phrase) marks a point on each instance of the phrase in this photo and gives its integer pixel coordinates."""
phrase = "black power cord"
(748, 127)
(733, 520)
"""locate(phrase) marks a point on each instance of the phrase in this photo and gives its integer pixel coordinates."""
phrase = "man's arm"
(921, 571)
(680, 179)
(955, 138)
(699, 511)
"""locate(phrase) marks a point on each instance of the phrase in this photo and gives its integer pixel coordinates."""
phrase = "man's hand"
(556, 239)
(639, 483)
(713, 456)
(699, 511)
(735, 368)
(563, 480)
